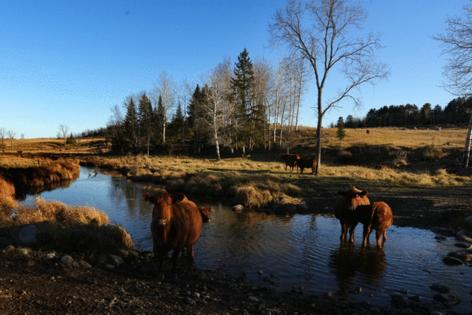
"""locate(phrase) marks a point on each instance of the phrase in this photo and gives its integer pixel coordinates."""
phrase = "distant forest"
(456, 113)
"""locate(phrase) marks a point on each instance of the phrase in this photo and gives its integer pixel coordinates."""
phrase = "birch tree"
(326, 34)
(220, 89)
(166, 90)
(64, 132)
(457, 42)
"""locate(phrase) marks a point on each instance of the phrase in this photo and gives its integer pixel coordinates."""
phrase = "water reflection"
(349, 262)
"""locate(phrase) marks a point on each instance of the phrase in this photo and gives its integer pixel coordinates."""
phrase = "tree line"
(238, 108)
(456, 113)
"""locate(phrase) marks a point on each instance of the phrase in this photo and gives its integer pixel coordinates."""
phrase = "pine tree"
(160, 119)
(340, 133)
(145, 122)
(242, 85)
(131, 127)
(177, 125)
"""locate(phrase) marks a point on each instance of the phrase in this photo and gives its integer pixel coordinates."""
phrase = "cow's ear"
(363, 193)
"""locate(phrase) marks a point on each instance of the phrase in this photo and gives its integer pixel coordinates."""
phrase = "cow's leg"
(365, 235)
(301, 169)
(190, 254)
(343, 232)
(384, 237)
(351, 233)
(378, 238)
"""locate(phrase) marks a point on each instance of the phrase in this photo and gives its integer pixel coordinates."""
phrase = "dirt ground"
(33, 283)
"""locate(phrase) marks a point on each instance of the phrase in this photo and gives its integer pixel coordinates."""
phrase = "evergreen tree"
(177, 125)
(145, 121)
(242, 85)
(160, 119)
(131, 127)
(340, 133)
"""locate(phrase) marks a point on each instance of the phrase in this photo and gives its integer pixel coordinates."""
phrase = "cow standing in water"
(176, 225)
(345, 210)
(355, 207)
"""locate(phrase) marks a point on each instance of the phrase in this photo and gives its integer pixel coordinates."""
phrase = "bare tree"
(220, 89)
(457, 41)
(11, 136)
(166, 89)
(323, 33)
(63, 133)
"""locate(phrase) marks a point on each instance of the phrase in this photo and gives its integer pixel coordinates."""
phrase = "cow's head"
(353, 198)
(158, 198)
(206, 214)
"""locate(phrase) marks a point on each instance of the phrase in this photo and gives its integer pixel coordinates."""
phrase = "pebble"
(238, 208)
(253, 299)
(116, 260)
(23, 251)
(67, 260)
(85, 264)
(51, 255)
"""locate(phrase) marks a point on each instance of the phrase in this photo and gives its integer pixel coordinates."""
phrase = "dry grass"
(55, 146)
(64, 227)
(449, 138)
(6, 188)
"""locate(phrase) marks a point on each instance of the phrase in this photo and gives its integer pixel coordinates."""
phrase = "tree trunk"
(468, 141)
(164, 132)
(318, 135)
(299, 96)
(215, 134)
(148, 144)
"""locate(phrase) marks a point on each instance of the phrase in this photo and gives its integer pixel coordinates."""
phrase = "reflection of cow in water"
(348, 262)
(355, 207)
(290, 160)
(176, 225)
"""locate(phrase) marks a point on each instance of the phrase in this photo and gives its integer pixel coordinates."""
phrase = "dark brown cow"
(290, 160)
(345, 210)
(355, 207)
(175, 225)
(303, 163)
(377, 216)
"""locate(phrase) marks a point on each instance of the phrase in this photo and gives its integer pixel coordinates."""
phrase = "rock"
(28, 235)
(260, 272)
(451, 261)
(238, 208)
(190, 301)
(84, 264)
(440, 238)
(116, 260)
(51, 255)
(439, 288)
(398, 301)
(23, 251)
(462, 245)
(437, 313)
(9, 249)
(253, 299)
(446, 299)
(415, 298)
(468, 223)
(463, 236)
(463, 255)
(109, 266)
(67, 260)
(124, 253)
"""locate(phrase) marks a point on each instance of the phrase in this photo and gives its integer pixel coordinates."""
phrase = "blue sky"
(69, 62)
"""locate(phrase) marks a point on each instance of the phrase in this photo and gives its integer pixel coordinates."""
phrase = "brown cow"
(345, 210)
(176, 225)
(355, 207)
(306, 163)
(290, 160)
(377, 216)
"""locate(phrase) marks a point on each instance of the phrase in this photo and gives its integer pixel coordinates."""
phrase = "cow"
(355, 207)
(303, 163)
(345, 210)
(377, 216)
(176, 225)
(290, 160)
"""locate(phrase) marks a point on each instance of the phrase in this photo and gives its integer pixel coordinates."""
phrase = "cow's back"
(382, 215)
(188, 222)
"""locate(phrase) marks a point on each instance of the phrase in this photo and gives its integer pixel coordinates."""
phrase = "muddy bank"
(130, 285)
(35, 175)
